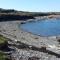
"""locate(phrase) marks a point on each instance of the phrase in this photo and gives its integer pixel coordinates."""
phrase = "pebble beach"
(11, 30)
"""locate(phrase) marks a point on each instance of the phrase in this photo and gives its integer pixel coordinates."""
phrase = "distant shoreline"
(14, 15)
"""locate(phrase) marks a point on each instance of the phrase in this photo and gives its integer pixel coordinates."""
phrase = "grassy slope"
(3, 56)
(2, 41)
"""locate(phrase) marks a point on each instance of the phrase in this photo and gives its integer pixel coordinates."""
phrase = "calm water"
(49, 27)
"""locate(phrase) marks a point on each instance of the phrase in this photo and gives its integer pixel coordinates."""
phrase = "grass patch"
(2, 39)
(3, 44)
(3, 56)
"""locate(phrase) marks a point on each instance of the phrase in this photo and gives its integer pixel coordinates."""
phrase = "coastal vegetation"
(3, 56)
(3, 45)
(2, 39)
(11, 14)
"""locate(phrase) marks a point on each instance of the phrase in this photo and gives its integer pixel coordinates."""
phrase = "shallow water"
(50, 27)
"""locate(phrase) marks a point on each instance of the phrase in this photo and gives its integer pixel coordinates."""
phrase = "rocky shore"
(26, 46)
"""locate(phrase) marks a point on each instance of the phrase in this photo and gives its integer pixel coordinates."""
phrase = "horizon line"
(27, 10)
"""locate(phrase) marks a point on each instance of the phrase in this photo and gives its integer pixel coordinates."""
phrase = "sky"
(32, 5)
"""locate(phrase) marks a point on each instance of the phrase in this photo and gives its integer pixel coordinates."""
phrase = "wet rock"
(4, 46)
(23, 22)
(59, 41)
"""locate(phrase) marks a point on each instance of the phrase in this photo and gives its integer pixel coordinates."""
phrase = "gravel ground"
(12, 31)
